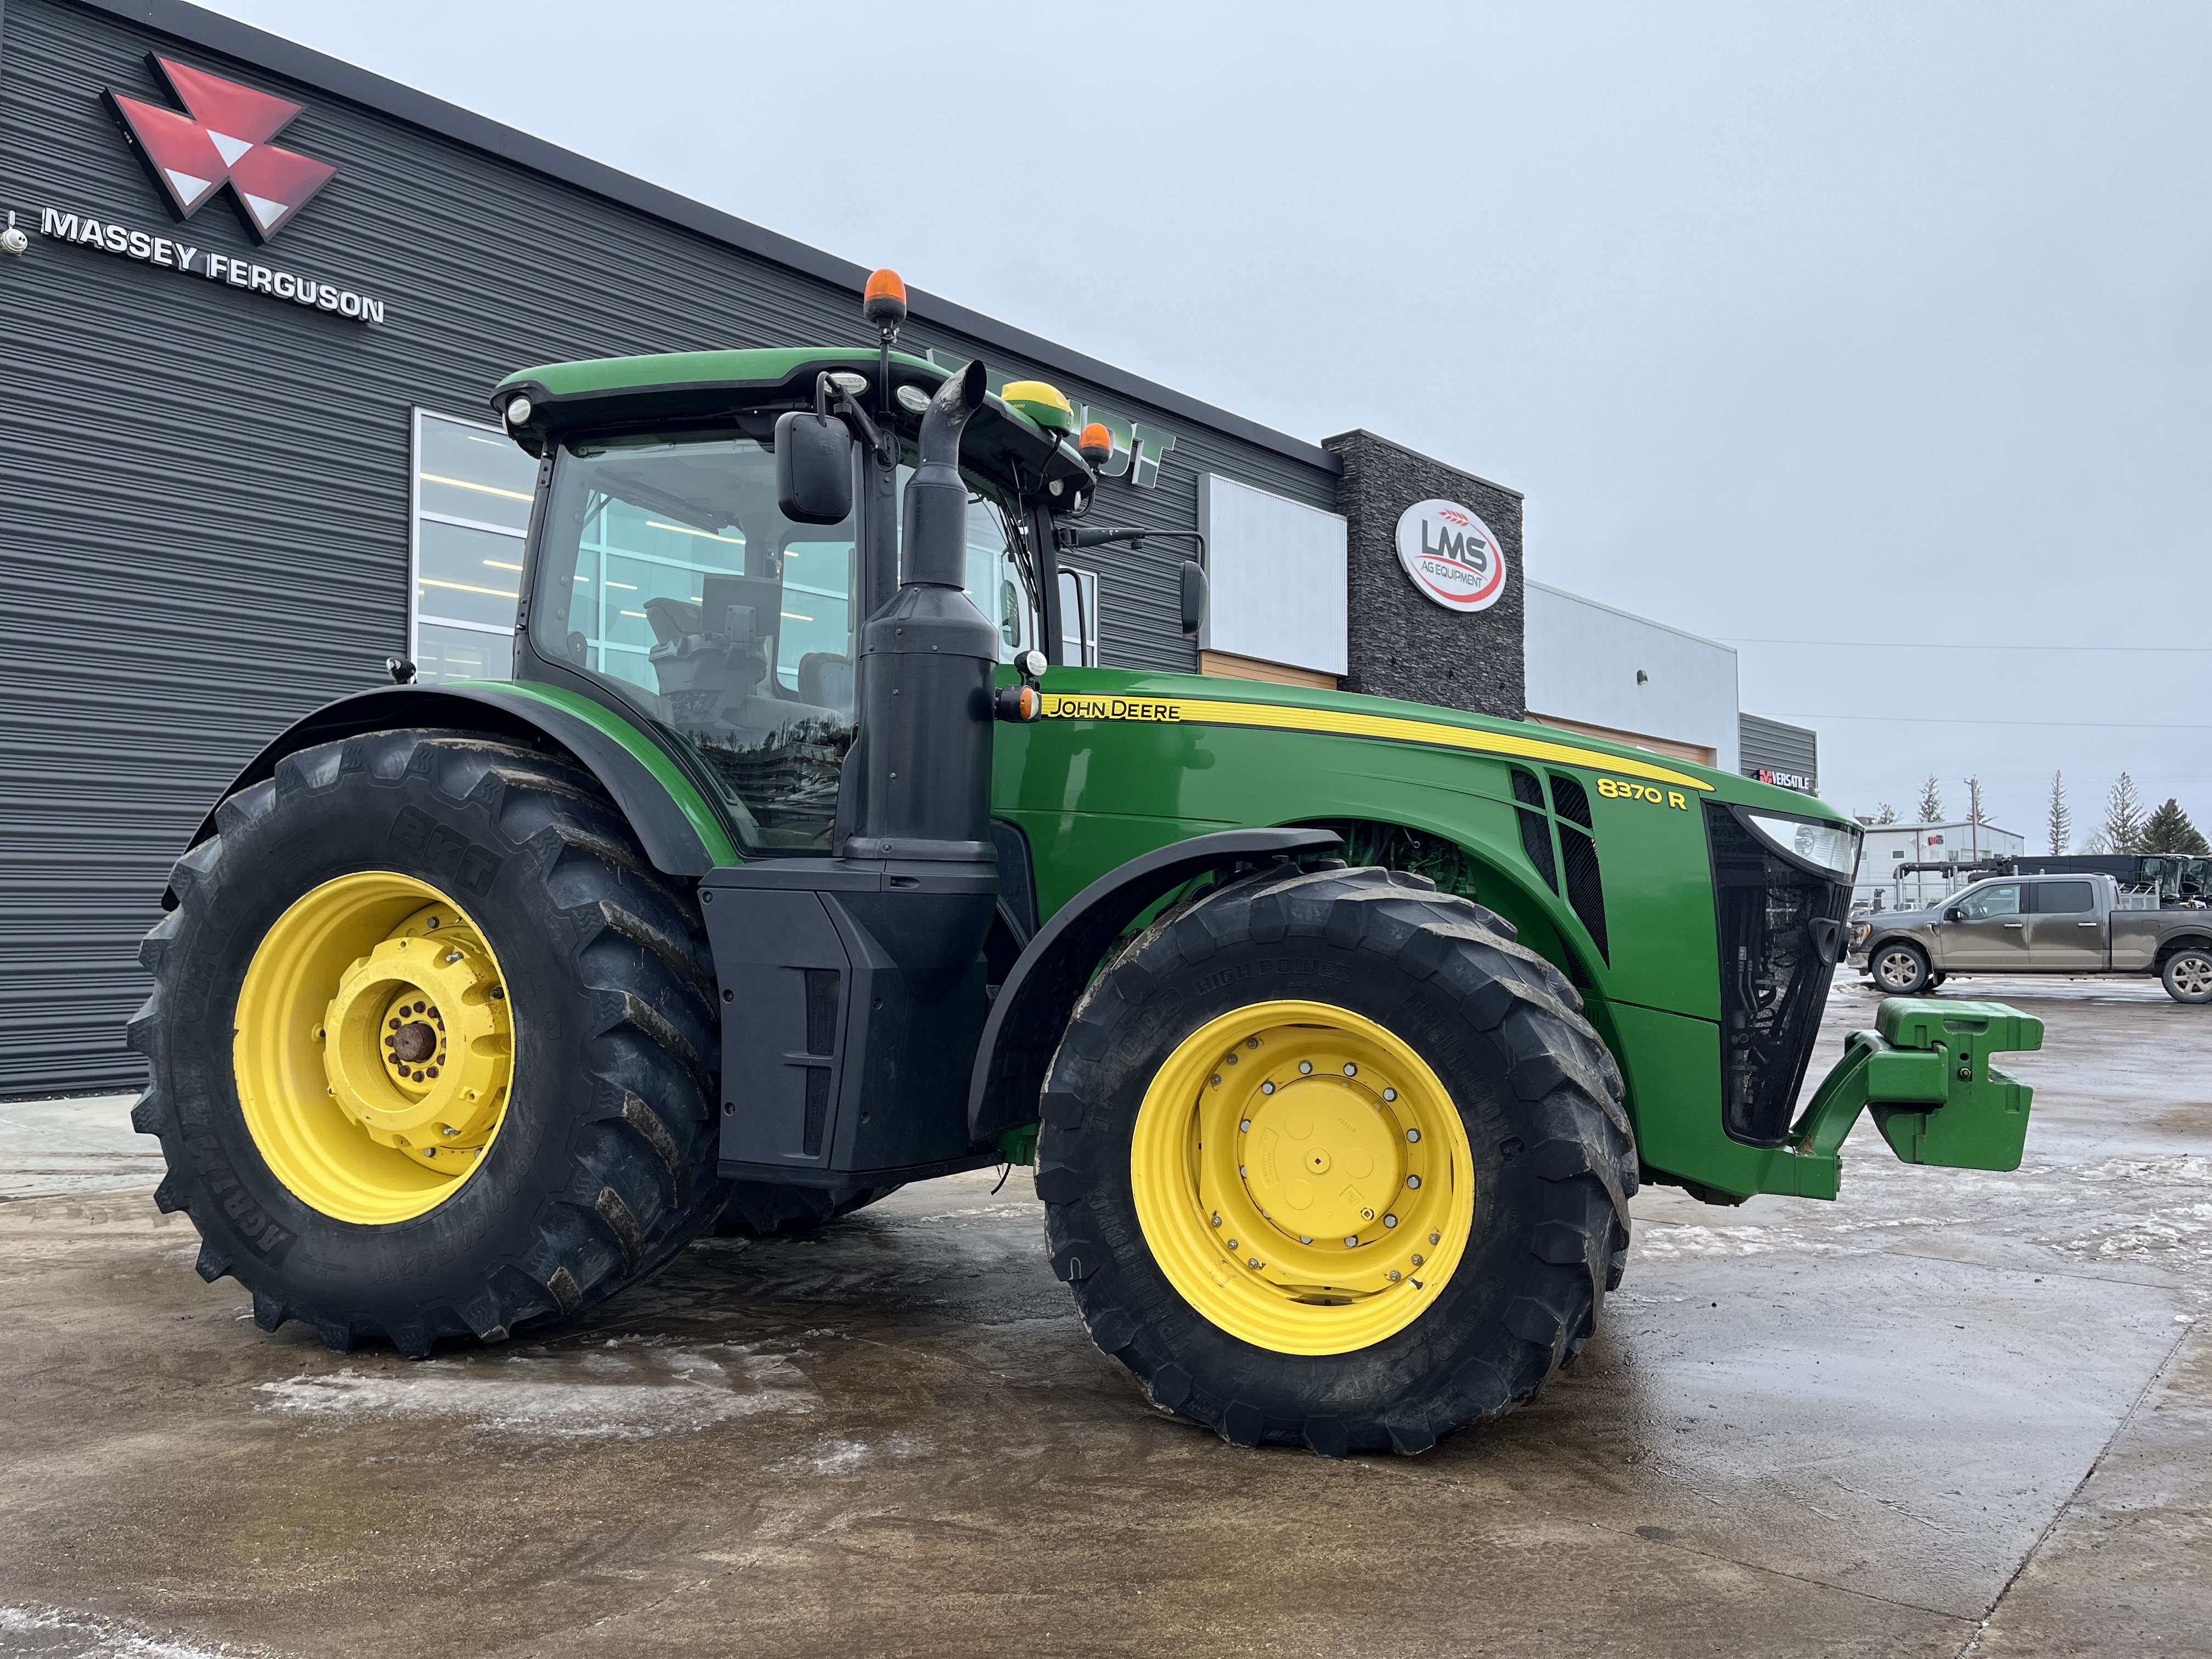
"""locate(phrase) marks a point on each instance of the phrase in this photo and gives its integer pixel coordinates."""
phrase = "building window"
(472, 493)
(1078, 618)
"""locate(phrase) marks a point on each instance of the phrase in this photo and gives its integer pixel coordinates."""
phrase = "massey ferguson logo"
(223, 141)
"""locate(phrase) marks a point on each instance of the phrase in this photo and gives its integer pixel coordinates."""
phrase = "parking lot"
(1951, 1413)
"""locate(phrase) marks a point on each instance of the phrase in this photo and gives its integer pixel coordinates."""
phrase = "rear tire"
(2187, 975)
(602, 1164)
(1524, 1109)
(1900, 968)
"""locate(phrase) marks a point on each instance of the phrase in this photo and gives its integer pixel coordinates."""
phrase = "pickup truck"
(2072, 924)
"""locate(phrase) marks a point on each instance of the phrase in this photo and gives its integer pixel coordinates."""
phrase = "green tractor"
(1340, 1032)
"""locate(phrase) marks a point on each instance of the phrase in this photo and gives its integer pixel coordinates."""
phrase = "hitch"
(1924, 1070)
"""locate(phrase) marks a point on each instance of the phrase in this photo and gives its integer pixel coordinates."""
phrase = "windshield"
(666, 570)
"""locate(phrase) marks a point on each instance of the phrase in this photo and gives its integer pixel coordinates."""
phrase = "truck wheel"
(432, 1045)
(1900, 970)
(1329, 1160)
(2187, 975)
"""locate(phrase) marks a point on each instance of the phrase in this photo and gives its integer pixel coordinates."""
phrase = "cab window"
(2063, 898)
(1984, 902)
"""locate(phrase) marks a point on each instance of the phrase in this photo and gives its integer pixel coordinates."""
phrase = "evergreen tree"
(2124, 817)
(2169, 830)
(1931, 801)
(1886, 814)
(2061, 816)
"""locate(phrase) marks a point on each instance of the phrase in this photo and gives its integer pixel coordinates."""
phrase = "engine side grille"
(1535, 827)
(1578, 852)
(1774, 976)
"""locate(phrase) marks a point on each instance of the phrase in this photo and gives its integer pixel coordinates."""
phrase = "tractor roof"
(685, 387)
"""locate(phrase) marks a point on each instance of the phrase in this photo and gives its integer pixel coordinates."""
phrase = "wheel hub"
(374, 1046)
(1303, 1178)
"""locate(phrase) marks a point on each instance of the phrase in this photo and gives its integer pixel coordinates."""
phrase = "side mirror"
(1954, 913)
(813, 468)
(1194, 598)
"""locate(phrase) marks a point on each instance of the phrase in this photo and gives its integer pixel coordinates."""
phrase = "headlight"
(1831, 845)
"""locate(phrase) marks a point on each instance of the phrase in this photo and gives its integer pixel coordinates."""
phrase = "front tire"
(525, 1128)
(2187, 975)
(1900, 970)
(1400, 1115)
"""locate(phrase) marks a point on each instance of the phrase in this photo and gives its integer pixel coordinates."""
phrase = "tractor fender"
(1040, 992)
(675, 823)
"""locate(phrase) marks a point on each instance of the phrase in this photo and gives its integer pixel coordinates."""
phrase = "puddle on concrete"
(562, 1395)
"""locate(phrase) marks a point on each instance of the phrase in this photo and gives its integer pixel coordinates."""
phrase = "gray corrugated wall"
(1779, 746)
(205, 531)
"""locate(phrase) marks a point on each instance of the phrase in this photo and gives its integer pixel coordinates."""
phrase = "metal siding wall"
(1780, 747)
(207, 523)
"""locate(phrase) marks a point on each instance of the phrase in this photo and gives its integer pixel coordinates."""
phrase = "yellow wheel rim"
(1303, 1178)
(374, 1048)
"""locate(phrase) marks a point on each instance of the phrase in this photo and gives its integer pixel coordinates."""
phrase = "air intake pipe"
(929, 658)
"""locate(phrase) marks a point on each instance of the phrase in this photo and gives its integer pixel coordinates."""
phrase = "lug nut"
(1393, 1275)
(1389, 1094)
(1389, 1220)
(1251, 1042)
(1251, 1260)
(1350, 1070)
(1413, 1134)
(1417, 1258)
(1351, 1241)
(1303, 1239)
(1436, 1239)
(1231, 1060)
(1217, 1079)
(1217, 1218)
(1267, 1088)
(1244, 1126)
(1232, 1243)
(1413, 1181)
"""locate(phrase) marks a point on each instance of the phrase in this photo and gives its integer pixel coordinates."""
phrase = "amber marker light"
(1096, 444)
(883, 302)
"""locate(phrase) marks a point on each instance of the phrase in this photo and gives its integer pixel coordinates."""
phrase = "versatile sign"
(223, 141)
(1451, 555)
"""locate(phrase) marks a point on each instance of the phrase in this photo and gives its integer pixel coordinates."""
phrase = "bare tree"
(1931, 801)
(2123, 815)
(2061, 816)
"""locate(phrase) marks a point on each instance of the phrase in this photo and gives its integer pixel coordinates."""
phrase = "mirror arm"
(830, 399)
(1071, 537)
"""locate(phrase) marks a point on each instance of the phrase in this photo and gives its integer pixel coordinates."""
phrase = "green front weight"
(1924, 1070)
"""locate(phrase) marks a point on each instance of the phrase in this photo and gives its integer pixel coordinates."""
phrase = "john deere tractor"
(794, 864)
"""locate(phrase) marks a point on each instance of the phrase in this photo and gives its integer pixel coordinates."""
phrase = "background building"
(263, 299)
(1889, 847)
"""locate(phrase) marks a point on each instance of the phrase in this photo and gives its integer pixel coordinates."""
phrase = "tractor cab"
(666, 577)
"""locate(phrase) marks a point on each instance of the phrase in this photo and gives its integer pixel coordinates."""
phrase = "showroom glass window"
(473, 494)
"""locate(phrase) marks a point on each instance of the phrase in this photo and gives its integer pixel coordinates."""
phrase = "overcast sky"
(1866, 323)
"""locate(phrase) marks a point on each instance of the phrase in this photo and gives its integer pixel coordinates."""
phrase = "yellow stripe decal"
(1390, 728)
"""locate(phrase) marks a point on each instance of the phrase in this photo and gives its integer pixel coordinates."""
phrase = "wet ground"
(1951, 1413)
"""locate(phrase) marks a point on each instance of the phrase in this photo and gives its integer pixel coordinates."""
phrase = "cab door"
(2066, 930)
(1989, 934)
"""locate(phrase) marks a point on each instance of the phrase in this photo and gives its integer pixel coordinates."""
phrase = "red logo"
(223, 141)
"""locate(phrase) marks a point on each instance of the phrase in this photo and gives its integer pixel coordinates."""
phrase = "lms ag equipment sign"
(1451, 555)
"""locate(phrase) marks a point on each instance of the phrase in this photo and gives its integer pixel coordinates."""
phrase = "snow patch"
(594, 1394)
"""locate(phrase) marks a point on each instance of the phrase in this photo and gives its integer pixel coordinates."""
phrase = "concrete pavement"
(1951, 1413)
